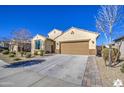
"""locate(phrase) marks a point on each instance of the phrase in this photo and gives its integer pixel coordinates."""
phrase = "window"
(38, 44)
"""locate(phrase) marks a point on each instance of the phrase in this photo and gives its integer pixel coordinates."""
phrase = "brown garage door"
(77, 47)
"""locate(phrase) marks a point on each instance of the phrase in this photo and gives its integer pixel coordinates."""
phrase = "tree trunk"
(110, 55)
(22, 52)
(110, 50)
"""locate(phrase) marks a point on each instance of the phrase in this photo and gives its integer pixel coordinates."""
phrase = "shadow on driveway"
(23, 63)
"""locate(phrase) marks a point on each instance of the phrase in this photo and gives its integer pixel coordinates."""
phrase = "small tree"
(108, 19)
(21, 36)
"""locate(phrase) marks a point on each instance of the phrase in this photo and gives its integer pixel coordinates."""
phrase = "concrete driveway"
(50, 71)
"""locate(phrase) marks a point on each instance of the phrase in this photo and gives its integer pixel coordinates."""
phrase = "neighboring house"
(15, 46)
(4, 44)
(73, 41)
(120, 41)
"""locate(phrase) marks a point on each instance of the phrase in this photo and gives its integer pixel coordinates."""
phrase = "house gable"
(54, 33)
(43, 38)
(75, 34)
(84, 30)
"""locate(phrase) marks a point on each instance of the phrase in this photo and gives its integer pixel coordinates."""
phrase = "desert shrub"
(105, 54)
(47, 52)
(5, 52)
(17, 59)
(122, 68)
(41, 52)
(1, 50)
(35, 53)
(13, 52)
(28, 55)
(22, 53)
(11, 55)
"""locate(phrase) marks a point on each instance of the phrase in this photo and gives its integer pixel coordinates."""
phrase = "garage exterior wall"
(75, 35)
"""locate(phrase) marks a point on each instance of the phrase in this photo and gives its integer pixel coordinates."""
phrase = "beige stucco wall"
(48, 44)
(13, 48)
(37, 37)
(121, 48)
(78, 35)
(54, 33)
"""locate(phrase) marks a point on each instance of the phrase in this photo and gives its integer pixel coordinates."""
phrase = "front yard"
(14, 57)
(9, 59)
(109, 74)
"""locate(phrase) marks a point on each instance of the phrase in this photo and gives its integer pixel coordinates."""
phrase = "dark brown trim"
(92, 51)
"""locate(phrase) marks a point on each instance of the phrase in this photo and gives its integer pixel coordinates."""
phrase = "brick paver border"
(91, 76)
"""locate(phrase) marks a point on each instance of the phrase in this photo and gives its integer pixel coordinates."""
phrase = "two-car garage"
(75, 47)
(77, 42)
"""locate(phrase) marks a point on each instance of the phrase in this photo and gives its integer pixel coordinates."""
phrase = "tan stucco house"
(19, 46)
(73, 41)
(119, 42)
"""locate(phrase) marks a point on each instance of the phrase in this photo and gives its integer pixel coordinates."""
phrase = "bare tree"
(21, 36)
(108, 19)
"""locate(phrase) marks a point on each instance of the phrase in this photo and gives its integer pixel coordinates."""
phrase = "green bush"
(25, 53)
(5, 52)
(22, 53)
(122, 68)
(105, 54)
(17, 59)
(11, 55)
(28, 55)
(41, 52)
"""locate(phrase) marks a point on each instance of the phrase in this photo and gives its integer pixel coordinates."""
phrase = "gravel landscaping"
(109, 74)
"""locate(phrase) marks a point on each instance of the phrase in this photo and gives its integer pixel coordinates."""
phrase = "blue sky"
(42, 19)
